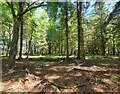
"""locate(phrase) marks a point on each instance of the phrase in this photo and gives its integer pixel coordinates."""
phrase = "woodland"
(57, 47)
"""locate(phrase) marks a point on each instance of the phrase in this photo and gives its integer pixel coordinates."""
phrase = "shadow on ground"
(60, 76)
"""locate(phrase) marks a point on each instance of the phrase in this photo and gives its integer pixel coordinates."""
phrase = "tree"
(17, 17)
(21, 38)
(66, 33)
(80, 33)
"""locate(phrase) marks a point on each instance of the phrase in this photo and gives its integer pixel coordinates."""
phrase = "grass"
(99, 57)
(47, 57)
(87, 57)
(113, 78)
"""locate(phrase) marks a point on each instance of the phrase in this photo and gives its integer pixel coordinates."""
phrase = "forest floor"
(61, 76)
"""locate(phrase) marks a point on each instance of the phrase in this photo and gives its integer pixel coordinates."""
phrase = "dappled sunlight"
(24, 84)
(107, 74)
(98, 88)
(78, 74)
(67, 78)
(38, 69)
(59, 68)
(1, 86)
(93, 68)
(66, 47)
(52, 77)
(70, 90)
(19, 62)
(108, 81)
(94, 77)
(37, 72)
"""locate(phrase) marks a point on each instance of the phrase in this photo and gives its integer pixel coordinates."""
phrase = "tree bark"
(66, 21)
(78, 17)
(17, 18)
(103, 43)
(81, 55)
(21, 39)
(29, 45)
(49, 47)
(113, 48)
(13, 47)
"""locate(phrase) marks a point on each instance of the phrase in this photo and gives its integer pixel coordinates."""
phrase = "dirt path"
(60, 76)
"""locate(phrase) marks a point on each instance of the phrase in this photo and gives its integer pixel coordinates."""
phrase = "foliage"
(46, 26)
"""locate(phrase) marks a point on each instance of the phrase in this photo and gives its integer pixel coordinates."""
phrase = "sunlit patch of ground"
(93, 76)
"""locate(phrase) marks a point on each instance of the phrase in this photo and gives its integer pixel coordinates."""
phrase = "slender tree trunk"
(35, 49)
(26, 46)
(49, 48)
(21, 39)
(31, 48)
(113, 48)
(78, 16)
(29, 45)
(61, 49)
(81, 55)
(66, 21)
(103, 43)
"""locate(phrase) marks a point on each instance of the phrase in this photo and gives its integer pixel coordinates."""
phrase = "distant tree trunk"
(80, 33)
(103, 47)
(78, 17)
(26, 46)
(29, 45)
(34, 49)
(71, 51)
(113, 48)
(49, 48)
(31, 48)
(61, 49)
(103, 43)
(21, 39)
(66, 21)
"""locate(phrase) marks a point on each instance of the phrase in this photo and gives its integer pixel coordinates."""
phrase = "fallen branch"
(66, 87)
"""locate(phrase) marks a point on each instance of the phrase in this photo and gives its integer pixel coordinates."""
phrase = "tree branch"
(30, 5)
(30, 8)
(12, 8)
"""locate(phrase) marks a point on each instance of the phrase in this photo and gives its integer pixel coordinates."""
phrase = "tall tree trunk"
(16, 24)
(13, 47)
(78, 17)
(66, 21)
(21, 39)
(80, 55)
(8, 46)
